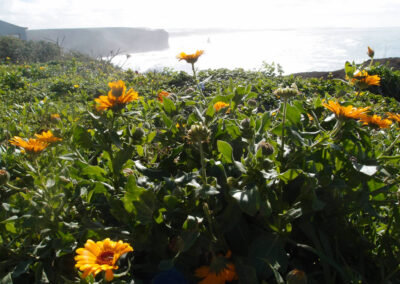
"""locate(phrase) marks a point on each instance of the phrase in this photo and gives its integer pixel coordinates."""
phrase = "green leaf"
(94, 172)
(145, 207)
(368, 170)
(81, 137)
(249, 200)
(132, 193)
(120, 158)
(226, 150)
(7, 279)
(167, 121)
(267, 250)
(289, 175)
(169, 105)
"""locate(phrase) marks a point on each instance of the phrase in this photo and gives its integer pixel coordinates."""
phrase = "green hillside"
(222, 176)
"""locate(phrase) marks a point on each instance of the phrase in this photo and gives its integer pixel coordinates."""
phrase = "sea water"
(296, 50)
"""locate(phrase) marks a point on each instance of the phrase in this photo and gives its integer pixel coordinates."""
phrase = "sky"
(170, 14)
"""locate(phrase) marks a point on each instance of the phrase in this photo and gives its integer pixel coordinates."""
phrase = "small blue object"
(171, 276)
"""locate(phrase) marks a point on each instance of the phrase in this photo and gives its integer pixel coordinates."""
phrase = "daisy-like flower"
(220, 271)
(117, 97)
(346, 111)
(47, 137)
(55, 116)
(190, 58)
(100, 256)
(393, 116)
(162, 95)
(377, 121)
(363, 80)
(32, 145)
(220, 105)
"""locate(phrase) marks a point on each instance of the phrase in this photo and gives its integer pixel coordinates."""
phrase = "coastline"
(392, 62)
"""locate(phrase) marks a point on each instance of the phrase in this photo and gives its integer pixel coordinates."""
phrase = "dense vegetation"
(275, 187)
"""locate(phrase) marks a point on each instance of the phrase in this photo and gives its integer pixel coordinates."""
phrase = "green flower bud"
(252, 103)
(266, 148)
(138, 134)
(288, 92)
(231, 181)
(198, 133)
(245, 123)
(4, 177)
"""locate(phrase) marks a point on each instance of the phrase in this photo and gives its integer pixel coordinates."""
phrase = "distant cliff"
(102, 41)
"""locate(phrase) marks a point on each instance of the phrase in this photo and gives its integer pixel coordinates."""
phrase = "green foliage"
(325, 203)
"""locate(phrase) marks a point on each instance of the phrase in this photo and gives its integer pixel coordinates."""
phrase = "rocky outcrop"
(99, 42)
(392, 62)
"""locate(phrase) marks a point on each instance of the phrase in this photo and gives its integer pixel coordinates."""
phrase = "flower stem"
(202, 160)
(391, 145)
(283, 128)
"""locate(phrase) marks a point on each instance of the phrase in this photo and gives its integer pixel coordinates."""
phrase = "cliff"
(104, 41)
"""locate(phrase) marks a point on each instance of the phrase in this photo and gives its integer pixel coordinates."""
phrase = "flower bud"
(198, 133)
(370, 52)
(252, 103)
(288, 92)
(245, 123)
(296, 276)
(266, 148)
(4, 177)
(138, 134)
(231, 181)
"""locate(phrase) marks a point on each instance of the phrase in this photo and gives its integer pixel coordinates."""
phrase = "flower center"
(106, 257)
(117, 92)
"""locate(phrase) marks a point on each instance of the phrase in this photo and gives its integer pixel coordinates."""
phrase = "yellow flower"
(162, 95)
(42, 67)
(376, 120)
(8, 58)
(393, 116)
(220, 271)
(32, 145)
(363, 80)
(76, 86)
(117, 96)
(179, 125)
(47, 137)
(346, 111)
(190, 58)
(100, 256)
(220, 105)
(55, 116)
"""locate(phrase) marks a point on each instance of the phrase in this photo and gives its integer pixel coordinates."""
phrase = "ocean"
(296, 50)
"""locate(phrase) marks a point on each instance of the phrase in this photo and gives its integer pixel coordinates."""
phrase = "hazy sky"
(36, 14)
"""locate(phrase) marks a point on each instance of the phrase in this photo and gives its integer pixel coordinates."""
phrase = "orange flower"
(393, 116)
(220, 271)
(47, 137)
(363, 80)
(32, 145)
(376, 120)
(117, 96)
(190, 58)
(55, 116)
(100, 256)
(220, 105)
(162, 95)
(346, 111)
